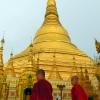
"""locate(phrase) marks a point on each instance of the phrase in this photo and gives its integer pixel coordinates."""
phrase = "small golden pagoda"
(27, 78)
(89, 88)
(86, 84)
(10, 68)
(3, 83)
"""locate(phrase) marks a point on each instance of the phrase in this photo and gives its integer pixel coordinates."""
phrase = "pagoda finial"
(11, 55)
(51, 15)
(51, 2)
(31, 40)
(3, 41)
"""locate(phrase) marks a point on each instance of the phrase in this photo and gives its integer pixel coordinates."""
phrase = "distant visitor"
(42, 90)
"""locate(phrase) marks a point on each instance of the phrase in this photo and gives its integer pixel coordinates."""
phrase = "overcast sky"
(20, 20)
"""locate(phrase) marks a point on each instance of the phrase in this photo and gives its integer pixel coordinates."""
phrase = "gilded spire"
(30, 59)
(10, 68)
(51, 16)
(11, 56)
(2, 41)
(54, 71)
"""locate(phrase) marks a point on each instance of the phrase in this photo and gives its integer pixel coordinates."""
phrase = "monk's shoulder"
(35, 84)
(47, 82)
(44, 82)
(78, 87)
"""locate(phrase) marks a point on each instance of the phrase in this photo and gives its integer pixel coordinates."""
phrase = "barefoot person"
(42, 90)
(77, 91)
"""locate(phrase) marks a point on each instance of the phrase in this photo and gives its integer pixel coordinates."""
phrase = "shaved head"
(40, 74)
(41, 71)
(74, 80)
(74, 77)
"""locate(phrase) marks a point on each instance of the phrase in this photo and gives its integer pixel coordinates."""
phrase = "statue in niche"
(28, 96)
(30, 77)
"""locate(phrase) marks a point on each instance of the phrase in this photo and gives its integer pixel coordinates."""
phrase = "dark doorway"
(27, 91)
(91, 98)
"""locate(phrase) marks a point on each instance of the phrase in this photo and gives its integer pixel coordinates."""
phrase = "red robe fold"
(42, 90)
(78, 93)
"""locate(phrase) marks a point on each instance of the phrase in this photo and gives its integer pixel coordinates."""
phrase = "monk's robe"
(78, 93)
(42, 90)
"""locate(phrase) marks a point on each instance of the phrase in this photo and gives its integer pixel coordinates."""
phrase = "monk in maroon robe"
(42, 90)
(77, 91)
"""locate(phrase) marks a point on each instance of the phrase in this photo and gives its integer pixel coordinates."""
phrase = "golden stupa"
(53, 51)
(53, 39)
